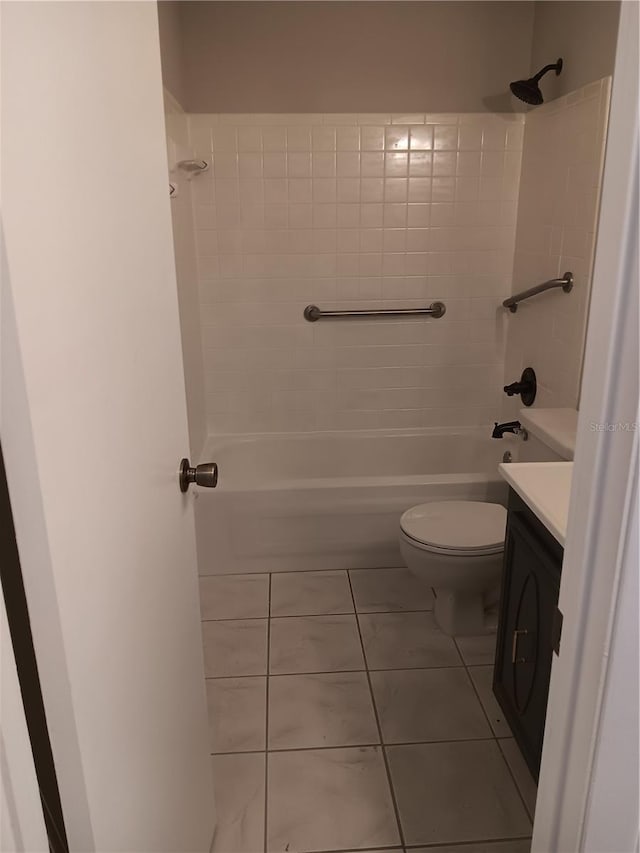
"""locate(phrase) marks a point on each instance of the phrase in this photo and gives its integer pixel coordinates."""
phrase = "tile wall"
(564, 145)
(176, 121)
(353, 211)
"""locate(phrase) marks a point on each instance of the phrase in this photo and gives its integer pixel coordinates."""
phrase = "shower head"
(529, 90)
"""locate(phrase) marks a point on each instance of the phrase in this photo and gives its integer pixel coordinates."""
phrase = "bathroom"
(318, 384)
(322, 167)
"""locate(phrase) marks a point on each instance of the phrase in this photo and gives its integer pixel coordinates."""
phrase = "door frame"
(601, 529)
(19, 625)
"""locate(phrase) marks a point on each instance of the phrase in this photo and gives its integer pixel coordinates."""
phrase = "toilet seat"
(458, 528)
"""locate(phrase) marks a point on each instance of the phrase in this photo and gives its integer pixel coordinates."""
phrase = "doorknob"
(202, 475)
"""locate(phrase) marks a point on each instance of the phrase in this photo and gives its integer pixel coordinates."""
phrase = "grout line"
(471, 844)
(332, 672)
(532, 817)
(266, 723)
(494, 735)
(435, 845)
(369, 850)
(475, 690)
(309, 571)
(375, 712)
(363, 745)
(308, 615)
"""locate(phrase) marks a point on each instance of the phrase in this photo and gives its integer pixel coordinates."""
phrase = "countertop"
(546, 488)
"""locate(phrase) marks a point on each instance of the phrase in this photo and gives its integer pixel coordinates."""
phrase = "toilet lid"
(454, 526)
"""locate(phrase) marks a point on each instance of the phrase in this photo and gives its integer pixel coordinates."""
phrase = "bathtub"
(303, 502)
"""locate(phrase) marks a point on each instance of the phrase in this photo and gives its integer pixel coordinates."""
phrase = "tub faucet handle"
(525, 387)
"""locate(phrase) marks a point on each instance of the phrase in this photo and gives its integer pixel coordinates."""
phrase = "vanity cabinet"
(527, 621)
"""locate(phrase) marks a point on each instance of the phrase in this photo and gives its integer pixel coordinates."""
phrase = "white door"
(93, 423)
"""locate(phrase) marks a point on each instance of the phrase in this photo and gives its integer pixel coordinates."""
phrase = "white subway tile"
(299, 164)
(274, 139)
(348, 138)
(299, 138)
(348, 190)
(372, 138)
(396, 138)
(396, 164)
(348, 164)
(395, 189)
(274, 164)
(323, 138)
(445, 137)
(225, 139)
(371, 190)
(372, 164)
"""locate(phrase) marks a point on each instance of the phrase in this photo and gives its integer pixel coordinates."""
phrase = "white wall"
(583, 33)
(564, 144)
(350, 56)
(171, 47)
(184, 248)
(335, 210)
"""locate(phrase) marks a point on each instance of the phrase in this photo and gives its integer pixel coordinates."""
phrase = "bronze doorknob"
(205, 475)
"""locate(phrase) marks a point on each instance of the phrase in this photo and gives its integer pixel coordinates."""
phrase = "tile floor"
(342, 719)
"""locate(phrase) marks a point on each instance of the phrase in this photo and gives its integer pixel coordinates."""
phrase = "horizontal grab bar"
(566, 283)
(313, 313)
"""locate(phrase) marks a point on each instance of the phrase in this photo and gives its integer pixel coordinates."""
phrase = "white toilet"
(455, 548)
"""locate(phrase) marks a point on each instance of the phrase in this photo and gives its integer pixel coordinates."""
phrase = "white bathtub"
(302, 502)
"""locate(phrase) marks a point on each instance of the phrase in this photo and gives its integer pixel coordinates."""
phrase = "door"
(93, 424)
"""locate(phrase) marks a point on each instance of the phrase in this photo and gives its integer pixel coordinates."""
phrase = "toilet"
(455, 548)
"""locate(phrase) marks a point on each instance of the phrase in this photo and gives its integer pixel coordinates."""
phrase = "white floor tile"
(521, 773)
(321, 710)
(310, 594)
(238, 782)
(404, 640)
(315, 644)
(329, 799)
(236, 647)
(427, 705)
(384, 590)
(237, 713)
(477, 651)
(455, 792)
(482, 677)
(234, 596)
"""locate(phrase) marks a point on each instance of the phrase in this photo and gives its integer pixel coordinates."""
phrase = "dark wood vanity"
(528, 627)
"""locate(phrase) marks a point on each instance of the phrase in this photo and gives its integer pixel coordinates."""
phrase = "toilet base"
(459, 614)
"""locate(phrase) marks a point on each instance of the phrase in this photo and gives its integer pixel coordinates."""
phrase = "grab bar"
(313, 313)
(566, 283)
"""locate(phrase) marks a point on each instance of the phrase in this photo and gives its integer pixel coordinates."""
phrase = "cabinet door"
(524, 647)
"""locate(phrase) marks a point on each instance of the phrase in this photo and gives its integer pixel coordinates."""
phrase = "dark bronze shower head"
(529, 90)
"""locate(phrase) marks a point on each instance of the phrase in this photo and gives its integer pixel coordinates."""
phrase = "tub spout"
(511, 426)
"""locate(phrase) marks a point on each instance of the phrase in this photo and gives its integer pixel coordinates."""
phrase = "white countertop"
(545, 487)
(556, 428)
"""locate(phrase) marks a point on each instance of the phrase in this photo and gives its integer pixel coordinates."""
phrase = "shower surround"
(353, 211)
